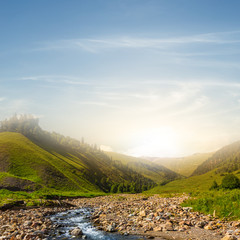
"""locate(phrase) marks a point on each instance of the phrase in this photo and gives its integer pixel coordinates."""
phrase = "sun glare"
(157, 142)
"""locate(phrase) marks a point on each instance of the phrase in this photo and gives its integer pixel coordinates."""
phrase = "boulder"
(76, 232)
(201, 224)
(111, 228)
(168, 226)
(143, 213)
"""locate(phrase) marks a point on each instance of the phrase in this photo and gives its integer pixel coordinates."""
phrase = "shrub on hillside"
(214, 186)
(230, 181)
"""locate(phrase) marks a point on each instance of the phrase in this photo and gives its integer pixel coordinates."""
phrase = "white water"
(71, 219)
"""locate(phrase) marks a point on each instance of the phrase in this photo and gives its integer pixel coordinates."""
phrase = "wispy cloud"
(116, 89)
(96, 44)
(70, 80)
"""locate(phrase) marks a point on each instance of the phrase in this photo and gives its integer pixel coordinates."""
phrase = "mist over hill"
(158, 173)
(227, 159)
(43, 159)
(184, 165)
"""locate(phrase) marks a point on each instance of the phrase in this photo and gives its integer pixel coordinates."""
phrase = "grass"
(199, 183)
(226, 204)
(25, 160)
(41, 197)
(62, 177)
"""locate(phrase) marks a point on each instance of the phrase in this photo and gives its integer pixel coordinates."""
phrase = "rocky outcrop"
(17, 184)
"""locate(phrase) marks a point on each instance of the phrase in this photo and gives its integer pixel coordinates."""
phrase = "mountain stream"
(69, 220)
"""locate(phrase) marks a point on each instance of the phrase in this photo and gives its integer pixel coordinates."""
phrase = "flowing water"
(66, 221)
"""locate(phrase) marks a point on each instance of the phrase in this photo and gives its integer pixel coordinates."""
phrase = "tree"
(132, 187)
(230, 181)
(120, 188)
(114, 188)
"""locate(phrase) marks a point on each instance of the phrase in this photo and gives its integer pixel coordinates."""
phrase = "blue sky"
(156, 78)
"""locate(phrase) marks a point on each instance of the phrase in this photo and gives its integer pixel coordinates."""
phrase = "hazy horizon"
(145, 78)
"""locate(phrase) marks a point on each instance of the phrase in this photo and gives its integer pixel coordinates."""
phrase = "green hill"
(21, 158)
(157, 173)
(227, 159)
(193, 184)
(224, 161)
(31, 158)
(185, 165)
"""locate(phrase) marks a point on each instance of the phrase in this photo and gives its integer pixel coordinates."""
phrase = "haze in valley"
(144, 78)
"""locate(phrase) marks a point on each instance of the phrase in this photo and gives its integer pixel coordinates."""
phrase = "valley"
(165, 199)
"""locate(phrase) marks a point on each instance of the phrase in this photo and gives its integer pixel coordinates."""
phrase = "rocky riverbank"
(157, 218)
(152, 217)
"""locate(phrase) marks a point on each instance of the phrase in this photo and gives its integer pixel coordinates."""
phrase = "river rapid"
(81, 218)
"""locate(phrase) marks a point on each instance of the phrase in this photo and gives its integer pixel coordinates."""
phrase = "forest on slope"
(225, 160)
(42, 159)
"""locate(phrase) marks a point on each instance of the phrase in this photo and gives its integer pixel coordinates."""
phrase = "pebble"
(130, 213)
(125, 213)
(27, 224)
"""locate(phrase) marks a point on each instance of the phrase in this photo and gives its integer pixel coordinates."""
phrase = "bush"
(214, 186)
(230, 181)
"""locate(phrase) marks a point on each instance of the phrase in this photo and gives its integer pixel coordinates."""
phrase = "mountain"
(157, 173)
(222, 162)
(227, 159)
(31, 158)
(185, 165)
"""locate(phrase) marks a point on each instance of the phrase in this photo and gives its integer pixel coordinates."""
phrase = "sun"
(157, 142)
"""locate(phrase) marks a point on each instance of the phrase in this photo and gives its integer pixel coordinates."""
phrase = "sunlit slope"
(198, 183)
(21, 158)
(222, 162)
(157, 173)
(185, 165)
(227, 159)
(42, 162)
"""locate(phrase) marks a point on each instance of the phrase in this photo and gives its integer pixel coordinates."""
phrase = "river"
(66, 221)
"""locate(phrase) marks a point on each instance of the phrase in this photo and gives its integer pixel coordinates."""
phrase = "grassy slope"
(57, 167)
(184, 166)
(148, 169)
(200, 183)
(96, 163)
(22, 158)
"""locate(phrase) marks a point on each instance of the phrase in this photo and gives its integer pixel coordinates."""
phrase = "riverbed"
(65, 222)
